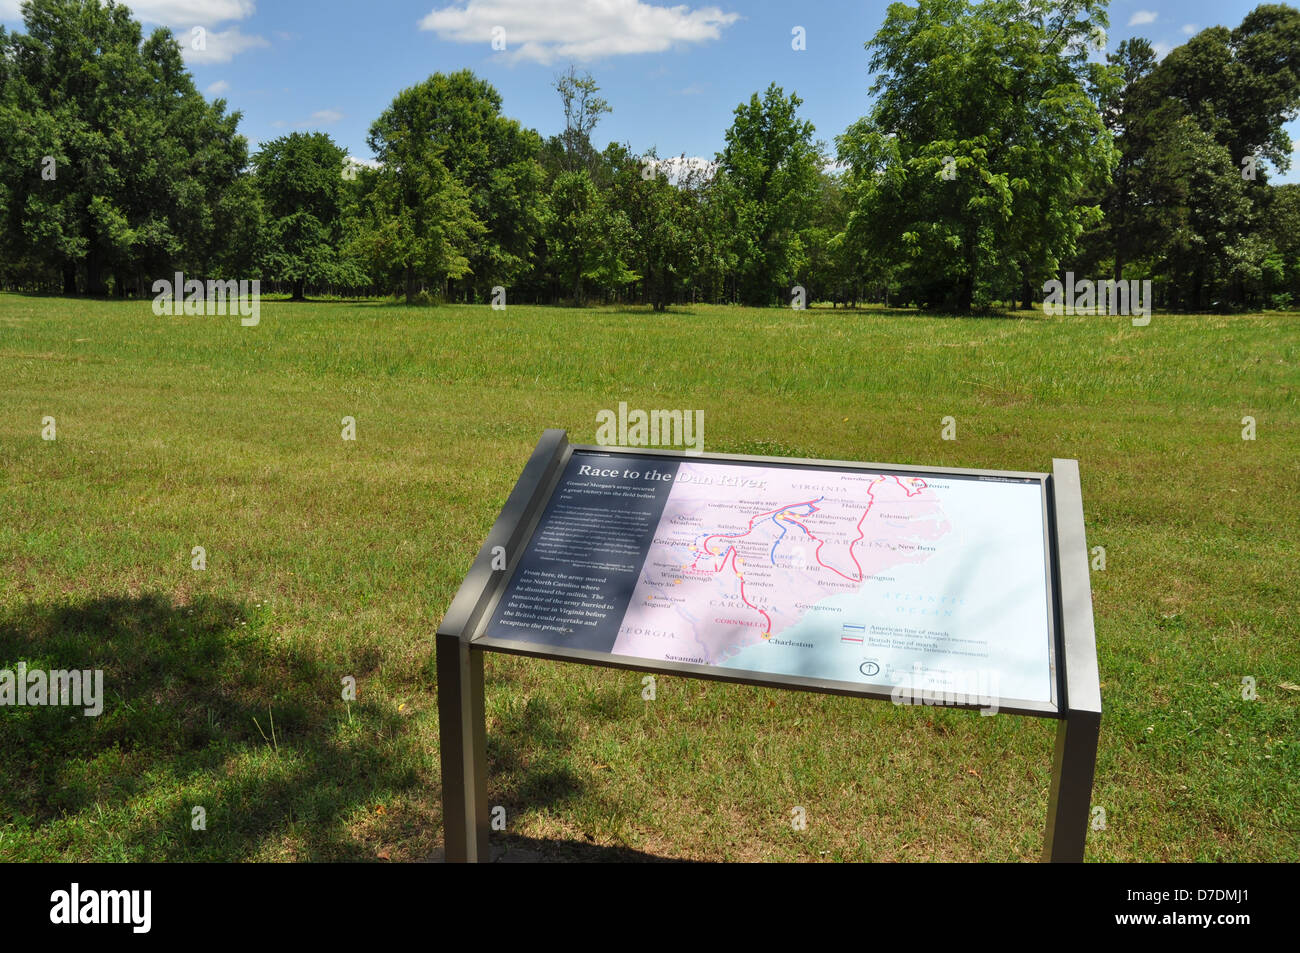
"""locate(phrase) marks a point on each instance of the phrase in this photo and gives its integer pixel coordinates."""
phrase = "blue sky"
(673, 72)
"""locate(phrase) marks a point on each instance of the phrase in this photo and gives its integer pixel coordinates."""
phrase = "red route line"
(731, 550)
(765, 616)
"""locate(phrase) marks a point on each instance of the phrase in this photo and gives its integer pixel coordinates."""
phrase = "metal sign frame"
(461, 643)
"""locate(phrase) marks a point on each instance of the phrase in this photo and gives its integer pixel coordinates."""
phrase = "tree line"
(999, 149)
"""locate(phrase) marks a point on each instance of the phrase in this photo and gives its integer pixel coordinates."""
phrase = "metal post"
(462, 717)
(462, 734)
(1069, 806)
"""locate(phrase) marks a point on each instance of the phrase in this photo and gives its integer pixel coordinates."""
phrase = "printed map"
(857, 576)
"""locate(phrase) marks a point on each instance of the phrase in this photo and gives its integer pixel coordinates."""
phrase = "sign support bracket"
(1075, 760)
(462, 736)
(462, 713)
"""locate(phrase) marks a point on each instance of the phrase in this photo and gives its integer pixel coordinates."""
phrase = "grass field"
(328, 558)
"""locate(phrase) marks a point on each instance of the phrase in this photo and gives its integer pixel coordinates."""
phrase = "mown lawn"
(328, 558)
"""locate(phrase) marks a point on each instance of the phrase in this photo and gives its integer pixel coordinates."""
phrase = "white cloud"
(220, 46)
(1161, 50)
(1190, 28)
(546, 30)
(321, 117)
(191, 12)
(217, 88)
(167, 12)
(1142, 17)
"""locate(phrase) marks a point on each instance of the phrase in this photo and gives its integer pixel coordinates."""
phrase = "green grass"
(328, 558)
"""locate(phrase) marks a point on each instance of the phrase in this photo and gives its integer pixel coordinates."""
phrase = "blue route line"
(772, 555)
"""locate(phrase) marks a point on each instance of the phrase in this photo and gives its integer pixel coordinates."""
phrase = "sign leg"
(462, 735)
(1070, 806)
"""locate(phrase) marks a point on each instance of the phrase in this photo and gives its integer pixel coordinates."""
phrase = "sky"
(673, 71)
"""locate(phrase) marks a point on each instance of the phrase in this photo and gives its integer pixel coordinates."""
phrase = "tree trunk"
(410, 285)
(298, 289)
(70, 278)
(966, 294)
(94, 275)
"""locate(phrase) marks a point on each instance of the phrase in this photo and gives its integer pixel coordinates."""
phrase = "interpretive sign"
(870, 579)
(927, 586)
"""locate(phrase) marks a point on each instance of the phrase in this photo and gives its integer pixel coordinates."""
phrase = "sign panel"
(965, 587)
(901, 582)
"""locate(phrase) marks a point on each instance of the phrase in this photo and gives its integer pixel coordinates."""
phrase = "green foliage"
(768, 180)
(1190, 201)
(997, 152)
(300, 180)
(582, 111)
(588, 236)
(113, 161)
(662, 228)
(966, 177)
(422, 224)
(495, 160)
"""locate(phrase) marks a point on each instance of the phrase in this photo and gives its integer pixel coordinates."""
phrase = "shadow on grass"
(203, 706)
(532, 769)
(544, 777)
(515, 849)
(190, 696)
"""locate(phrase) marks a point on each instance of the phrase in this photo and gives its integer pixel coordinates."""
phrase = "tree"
(662, 232)
(582, 111)
(712, 249)
(967, 175)
(1204, 215)
(22, 262)
(300, 180)
(1198, 130)
(828, 271)
(768, 174)
(1242, 85)
(584, 236)
(496, 161)
(1127, 219)
(1281, 278)
(421, 222)
(117, 160)
(587, 236)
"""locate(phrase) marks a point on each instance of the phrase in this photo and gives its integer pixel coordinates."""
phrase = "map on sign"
(932, 583)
